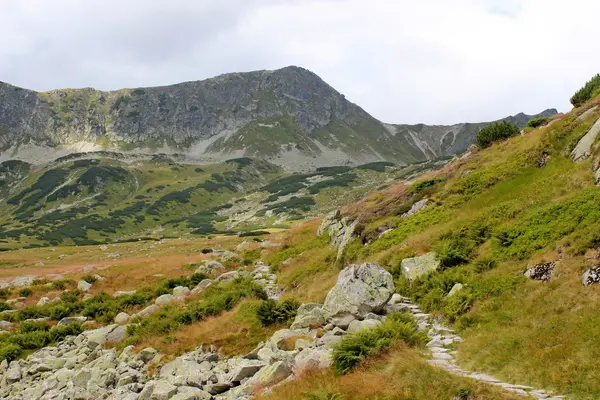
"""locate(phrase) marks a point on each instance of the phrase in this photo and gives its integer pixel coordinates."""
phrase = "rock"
(228, 276)
(147, 311)
(119, 293)
(246, 369)
(163, 390)
(98, 277)
(195, 394)
(455, 289)
(164, 299)
(147, 354)
(209, 267)
(272, 374)
(122, 318)
(72, 320)
(43, 301)
(309, 315)
(217, 388)
(418, 206)
(181, 291)
(97, 337)
(586, 114)
(340, 229)
(541, 272)
(415, 267)
(6, 325)
(360, 289)
(114, 255)
(88, 268)
(342, 320)
(84, 286)
(396, 299)
(584, 146)
(13, 374)
(21, 281)
(118, 334)
(591, 276)
(201, 286)
(312, 358)
(357, 325)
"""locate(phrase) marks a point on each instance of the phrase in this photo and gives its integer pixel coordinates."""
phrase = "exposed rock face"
(418, 206)
(415, 267)
(310, 314)
(591, 276)
(584, 147)
(210, 267)
(455, 289)
(541, 272)
(360, 289)
(340, 229)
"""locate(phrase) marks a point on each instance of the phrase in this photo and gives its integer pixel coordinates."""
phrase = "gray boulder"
(340, 229)
(84, 286)
(541, 272)
(309, 315)
(584, 147)
(164, 299)
(415, 267)
(418, 206)
(356, 325)
(43, 301)
(455, 289)
(122, 318)
(360, 289)
(123, 293)
(209, 267)
(181, 291)
(72, 320)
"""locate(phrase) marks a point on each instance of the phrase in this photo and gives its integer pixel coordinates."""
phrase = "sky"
(429, 61)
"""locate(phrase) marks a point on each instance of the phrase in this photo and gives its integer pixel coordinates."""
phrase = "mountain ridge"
(288, 116)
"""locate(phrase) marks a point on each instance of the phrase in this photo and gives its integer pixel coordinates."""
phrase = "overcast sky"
(431, 61)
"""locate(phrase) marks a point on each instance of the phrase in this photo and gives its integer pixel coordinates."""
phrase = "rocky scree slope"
(289, 116)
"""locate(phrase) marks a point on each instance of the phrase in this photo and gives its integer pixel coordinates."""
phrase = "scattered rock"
(210, 267)
(591, 276)
(541, 272)
(340, 230)
(181, 291)
(88, 268)
(455, 289)
(418, 206)
(84, 286)
(357, 325)
(415, 267)
(360, 289)
(164, 299)
(123, 293)
(228, 276)
(310, 315)
(43, 301)
(72, 320)
(147, 311)
(122, 318)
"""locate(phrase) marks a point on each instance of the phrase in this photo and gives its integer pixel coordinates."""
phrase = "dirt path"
(442, 355)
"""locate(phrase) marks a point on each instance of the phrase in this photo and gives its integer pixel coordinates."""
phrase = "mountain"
(289, 117)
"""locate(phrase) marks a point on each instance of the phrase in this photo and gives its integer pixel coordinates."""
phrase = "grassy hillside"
(491, 214)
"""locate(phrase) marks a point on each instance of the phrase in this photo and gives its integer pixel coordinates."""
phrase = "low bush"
(10, 351)
(4, 306)
(31, 326)
(494, 132)
(271, 312)
(89, 278)
(25, 292)
(535, 122)
(356, 347)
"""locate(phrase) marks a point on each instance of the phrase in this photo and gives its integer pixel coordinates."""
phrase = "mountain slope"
(289, 116)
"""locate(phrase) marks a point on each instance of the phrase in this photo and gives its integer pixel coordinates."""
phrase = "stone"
(25, 280)
(97, 337)
(163, 390)
(418, 206)
(118, 334)
(43, 301)
(217, 388)
(246, 369)
(541, 272)
(309, 315)
(342, 320)
(195, 394)
(202, 286)
(360, 289)
(312, 358)
(228, 276)
(84, 286)
(88, 268)
(147, 354)
(415, 267)
(181, 291)
(455, 289)
(591, 276)
(209, 267)
(72, 320)
(272, 374)
(147, 311)
(122, 318)
(396, 299)
(584, 147)
(164, 299)
(357, 325)
(13, 374)
(6, 325)
(123, 293)
(340, 229)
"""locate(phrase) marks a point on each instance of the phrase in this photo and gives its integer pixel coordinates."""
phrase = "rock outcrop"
(591, 276)
(414, 267)
(584, 147)
(541, 272)
(340, 230)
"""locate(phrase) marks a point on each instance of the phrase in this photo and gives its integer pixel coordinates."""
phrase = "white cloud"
(433, 61)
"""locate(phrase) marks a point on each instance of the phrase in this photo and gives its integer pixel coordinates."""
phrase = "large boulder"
(414, 267)
(164, 299)
(72, 320)
(584, 147)
(312, 358)
(84, 286)
(309, 315)
(360, 289)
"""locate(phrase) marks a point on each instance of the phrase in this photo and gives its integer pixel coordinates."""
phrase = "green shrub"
(10, 351)
(494, 132)
(458, 304)
(31, 326)
(535, 122)
(421, 185)
(485, 264)
(207, 251)
(25, 292)
(197, 277)
(71, 296)
(355, 347)
(4, 306)
(4, 293)
(271, 312)
(587, 92)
